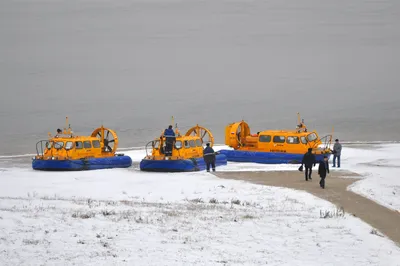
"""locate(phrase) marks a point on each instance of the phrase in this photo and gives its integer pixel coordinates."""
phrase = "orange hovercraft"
(274, 146)
(186, 154)
(67, 152)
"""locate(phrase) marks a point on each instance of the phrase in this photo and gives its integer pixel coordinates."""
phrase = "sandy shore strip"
(379, 217)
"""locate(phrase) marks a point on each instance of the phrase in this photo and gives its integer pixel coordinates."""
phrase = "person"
(59, 132)
(337, 151)
(169, 135)
(323, 170)
(308, 161)
(209, 157)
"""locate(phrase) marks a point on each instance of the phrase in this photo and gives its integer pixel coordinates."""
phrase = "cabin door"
(79, 151)
(193, 151)
(88, 149)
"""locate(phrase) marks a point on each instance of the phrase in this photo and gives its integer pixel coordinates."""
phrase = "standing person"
(308, 161)
(337, 151)
(169, 135)
(209, 157)
(323, 170)
(59, 132)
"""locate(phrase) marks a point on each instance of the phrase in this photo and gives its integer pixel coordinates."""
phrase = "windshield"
(312, 137)
(156, 144)
(69, 145)
(48, 145)
(58, 145)
(178, 144)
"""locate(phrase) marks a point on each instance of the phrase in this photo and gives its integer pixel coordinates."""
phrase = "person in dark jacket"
(169, 135)
(209, 157)
(337, 152)
(323, 170)
(308, 161)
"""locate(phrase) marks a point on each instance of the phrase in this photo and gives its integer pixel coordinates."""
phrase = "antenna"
(66, 124)
(176, 126)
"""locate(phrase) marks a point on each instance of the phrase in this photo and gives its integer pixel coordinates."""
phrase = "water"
(131, 65)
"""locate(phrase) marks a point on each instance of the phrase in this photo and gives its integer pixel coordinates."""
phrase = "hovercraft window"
(87, 144)
(178, 144)
(312, 137)
(69, 145)
(293, 140)
(156, 144)
(192, 144)
(265, 138)
(58, 145)
(198, 143)
(187, 144)
(303, 140)
(78, 145)
(96, 144)
(49, 144)
(279, 139)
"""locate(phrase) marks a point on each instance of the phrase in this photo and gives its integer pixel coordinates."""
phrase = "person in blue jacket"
(169, 135)
(209, 157)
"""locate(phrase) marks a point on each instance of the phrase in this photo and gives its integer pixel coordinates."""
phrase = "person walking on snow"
(337, 150)
(308, 161)
(323, 170)
(209, 157)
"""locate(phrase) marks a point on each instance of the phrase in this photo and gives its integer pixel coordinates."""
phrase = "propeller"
(110, 138)
(203, 133)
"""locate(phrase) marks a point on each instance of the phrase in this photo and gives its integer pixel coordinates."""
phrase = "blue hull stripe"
(77, 165)
(188, 165)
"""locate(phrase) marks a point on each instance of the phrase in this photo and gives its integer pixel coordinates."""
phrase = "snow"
(377, 163)
(380, 169)
(128, 217)
(158, 219)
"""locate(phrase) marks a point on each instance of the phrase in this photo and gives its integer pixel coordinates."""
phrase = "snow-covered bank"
(124, 216)
(120, 216)
(378, 165)
(380, 169)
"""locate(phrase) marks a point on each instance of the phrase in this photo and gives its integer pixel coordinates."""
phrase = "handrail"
(327, 142)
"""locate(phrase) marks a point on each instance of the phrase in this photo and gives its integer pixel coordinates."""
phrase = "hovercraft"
(184, 155)
(67, 152)
(274, 146)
